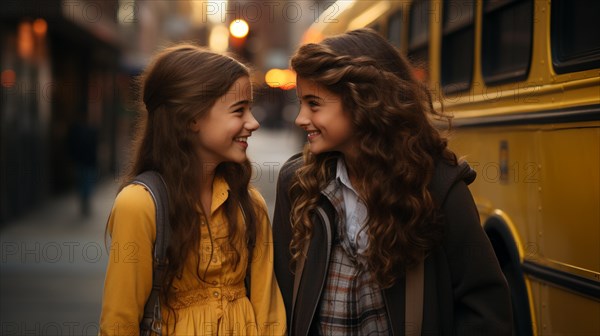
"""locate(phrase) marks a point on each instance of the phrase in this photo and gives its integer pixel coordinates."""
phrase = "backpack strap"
(154, 183)
(156, 186)
(247, 279)
(413, 311)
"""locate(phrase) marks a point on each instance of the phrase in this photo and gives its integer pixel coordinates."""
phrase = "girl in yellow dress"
(194, 127)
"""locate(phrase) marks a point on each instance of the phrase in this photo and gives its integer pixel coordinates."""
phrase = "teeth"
(313, 133)
(242, 139)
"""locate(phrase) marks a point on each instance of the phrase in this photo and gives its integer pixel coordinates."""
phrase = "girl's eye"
(240, 110)
(313, 103)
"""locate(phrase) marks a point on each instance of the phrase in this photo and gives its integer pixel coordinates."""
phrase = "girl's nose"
(302, 119)
(251, 123)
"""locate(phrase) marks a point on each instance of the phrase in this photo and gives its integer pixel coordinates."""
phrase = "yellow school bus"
(522, 80)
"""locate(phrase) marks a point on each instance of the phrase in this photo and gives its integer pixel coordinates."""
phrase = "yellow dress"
(218, 305)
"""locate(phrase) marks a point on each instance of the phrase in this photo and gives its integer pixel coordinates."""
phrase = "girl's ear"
(195, 125)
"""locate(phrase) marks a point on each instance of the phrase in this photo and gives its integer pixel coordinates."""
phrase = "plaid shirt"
(351, 303)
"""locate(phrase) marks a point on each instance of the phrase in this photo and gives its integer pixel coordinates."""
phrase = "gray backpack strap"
(413, 311)
(153, 182)
(248, 277)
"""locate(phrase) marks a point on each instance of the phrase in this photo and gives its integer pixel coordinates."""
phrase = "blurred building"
(59, 65)
(66, 63)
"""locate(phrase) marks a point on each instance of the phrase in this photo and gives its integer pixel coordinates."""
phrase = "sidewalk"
(52, 261)
(52, 265)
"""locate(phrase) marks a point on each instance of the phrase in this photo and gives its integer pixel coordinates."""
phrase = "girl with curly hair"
(377, 204)
(195, 121)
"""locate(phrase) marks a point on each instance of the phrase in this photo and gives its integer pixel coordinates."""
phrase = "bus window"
(458, 36)
(575, 46)
(418, 37)
(395, 29)
(506, 40)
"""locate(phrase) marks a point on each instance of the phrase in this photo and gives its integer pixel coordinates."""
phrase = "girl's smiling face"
(322, 115)
(223, 132)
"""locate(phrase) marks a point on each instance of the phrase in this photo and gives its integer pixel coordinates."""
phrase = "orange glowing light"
(274, 77)
(290, 80)
(283, 79)
(40, 27)
(420, 74)
(239, 28)
(25, 40)
(8, 78)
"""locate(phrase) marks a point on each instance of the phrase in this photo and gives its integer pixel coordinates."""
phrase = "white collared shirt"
(356, 211)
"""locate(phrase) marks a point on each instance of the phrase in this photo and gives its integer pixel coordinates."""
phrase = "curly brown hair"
(181, 84)
(393, 117)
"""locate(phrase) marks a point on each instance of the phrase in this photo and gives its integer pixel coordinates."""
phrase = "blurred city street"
(53, 260)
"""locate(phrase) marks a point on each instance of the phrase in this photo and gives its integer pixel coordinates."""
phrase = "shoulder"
(263, 224)
(451, 191)
(133, 211)
(257, 198)
(134, 197)
(448, 174)
(290, 166)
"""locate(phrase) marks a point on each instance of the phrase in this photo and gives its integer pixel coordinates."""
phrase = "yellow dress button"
(215, 283)
(216, 294)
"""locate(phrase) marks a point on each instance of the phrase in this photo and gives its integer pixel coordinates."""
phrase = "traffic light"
(239, 37)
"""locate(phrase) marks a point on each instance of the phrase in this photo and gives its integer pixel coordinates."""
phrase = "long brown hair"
(391, 115)
(181, 84)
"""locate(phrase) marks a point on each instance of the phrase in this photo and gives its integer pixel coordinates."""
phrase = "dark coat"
(465, 292)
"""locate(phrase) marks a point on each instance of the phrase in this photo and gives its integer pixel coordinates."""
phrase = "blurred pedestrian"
(195, 123)
(376, 204)
(83, 148)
